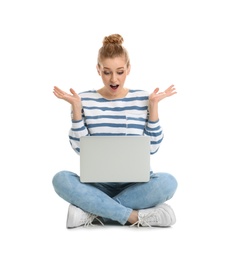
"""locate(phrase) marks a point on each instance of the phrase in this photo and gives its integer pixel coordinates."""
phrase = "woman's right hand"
(72, 98)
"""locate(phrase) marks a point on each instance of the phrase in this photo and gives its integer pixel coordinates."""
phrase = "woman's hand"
(72, 98)
(156, 96)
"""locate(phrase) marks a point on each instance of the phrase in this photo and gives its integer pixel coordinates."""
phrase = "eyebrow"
(117, 68)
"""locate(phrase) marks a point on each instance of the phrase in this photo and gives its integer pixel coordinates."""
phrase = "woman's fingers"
(73, 92)
(170, 91)
(58, 92)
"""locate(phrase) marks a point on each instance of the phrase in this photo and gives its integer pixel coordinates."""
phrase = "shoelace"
(146, 219)
(90, 220)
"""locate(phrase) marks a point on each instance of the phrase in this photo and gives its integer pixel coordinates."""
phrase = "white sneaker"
(77, 217)
(159, 216)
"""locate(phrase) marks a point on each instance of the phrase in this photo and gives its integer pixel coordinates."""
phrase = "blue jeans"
(114, 201)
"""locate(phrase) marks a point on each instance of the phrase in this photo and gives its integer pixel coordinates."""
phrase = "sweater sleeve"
(155, 132)
(77, 130)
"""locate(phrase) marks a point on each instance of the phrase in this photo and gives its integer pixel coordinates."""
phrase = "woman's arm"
(154, 99)
(78, 127)
(77, 130)
(153, 127)
(73, 99)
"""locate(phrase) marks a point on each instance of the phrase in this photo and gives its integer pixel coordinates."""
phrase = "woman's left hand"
(156, 96)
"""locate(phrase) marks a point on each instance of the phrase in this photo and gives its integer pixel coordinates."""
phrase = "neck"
(108, 95)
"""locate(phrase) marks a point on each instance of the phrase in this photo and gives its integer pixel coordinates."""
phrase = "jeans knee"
(173, 181)
(172, 185)
(168, 183)
(58, 178)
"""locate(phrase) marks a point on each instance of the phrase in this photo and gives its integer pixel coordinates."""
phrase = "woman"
(116, 110)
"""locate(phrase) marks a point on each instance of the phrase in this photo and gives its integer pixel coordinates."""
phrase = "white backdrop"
(47, 43)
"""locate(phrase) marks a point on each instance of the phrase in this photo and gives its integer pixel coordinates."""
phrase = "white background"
(47, 43)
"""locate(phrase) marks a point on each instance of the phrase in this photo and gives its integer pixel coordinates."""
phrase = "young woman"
(116, 110)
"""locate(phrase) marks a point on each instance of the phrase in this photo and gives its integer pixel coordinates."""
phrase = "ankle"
(133, 218)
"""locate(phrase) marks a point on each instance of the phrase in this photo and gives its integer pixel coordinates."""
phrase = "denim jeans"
(114, 201)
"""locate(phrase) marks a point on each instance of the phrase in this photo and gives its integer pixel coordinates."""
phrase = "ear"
(98, 69)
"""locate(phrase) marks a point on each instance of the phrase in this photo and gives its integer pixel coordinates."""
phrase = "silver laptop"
(114, 158)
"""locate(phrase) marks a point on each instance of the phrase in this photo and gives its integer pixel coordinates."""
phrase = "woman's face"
(113, 72)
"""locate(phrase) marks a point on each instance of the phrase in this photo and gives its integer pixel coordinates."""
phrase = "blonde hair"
(112, 47)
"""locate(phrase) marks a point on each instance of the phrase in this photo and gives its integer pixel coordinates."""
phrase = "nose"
(113, 77)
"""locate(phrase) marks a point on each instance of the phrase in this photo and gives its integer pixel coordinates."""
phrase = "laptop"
(114, 159)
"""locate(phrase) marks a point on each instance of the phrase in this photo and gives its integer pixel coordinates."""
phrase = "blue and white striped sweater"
(125, 116)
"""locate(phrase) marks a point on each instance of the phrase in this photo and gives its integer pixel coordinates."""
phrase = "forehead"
(113, 63)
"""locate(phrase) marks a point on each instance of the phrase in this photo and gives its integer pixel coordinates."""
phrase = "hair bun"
(113, 39)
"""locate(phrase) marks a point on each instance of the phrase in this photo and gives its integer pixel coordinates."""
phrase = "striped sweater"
(124, 116)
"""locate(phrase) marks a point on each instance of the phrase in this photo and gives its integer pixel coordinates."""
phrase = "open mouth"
(114, 86)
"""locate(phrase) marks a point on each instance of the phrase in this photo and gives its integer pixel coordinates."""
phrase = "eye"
(120, 72)
(106, 72)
